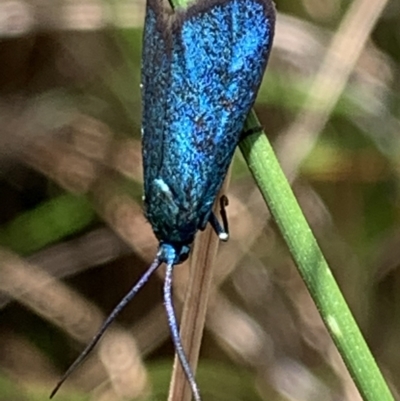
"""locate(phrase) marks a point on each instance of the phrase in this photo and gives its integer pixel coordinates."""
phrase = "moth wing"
(155, 75)
(220, 50)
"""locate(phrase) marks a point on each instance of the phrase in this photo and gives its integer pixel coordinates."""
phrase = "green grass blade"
(48, 223)
(312, 265)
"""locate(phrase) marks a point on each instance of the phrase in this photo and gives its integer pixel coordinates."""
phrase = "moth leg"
(224, 202)
(221, 231)
(251, 131)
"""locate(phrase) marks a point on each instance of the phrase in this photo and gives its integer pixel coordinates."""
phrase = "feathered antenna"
(127, 298)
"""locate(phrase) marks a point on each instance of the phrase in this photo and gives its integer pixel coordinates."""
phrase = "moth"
(202, 66)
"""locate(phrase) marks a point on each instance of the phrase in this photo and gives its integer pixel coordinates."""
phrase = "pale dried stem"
(195, 307)
(331, 79)
(68, 310)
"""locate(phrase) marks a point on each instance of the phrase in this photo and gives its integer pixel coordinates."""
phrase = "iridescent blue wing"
(219, 51)
(155, 73)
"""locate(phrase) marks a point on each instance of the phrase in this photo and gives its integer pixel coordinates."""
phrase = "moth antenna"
(176, 338)
(125, 300)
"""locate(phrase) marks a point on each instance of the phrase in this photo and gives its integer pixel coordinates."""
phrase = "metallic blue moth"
(201, 70)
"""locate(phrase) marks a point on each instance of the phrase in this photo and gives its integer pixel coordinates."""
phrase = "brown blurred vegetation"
(73, 238)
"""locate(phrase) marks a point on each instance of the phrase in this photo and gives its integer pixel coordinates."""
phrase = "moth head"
(173, 253)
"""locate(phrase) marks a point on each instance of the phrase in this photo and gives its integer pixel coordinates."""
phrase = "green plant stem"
(48, 223)
(312, 265)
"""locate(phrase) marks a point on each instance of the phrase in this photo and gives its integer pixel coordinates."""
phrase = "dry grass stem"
(329, 83)
(195, 307)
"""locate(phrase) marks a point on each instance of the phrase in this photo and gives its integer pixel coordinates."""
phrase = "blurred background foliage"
(73, 238)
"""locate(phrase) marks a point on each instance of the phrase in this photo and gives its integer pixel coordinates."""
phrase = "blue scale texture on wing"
(155, 82)
(216, 54)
